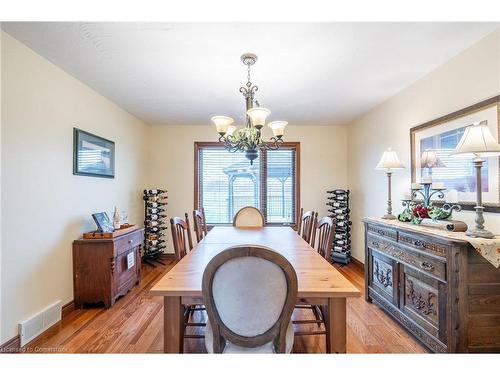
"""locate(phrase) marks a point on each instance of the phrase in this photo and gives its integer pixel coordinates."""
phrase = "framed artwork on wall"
(93, 155)
(457, 173)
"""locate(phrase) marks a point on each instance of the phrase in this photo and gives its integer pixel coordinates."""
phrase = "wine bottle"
(342, 211)
(342, 223)
(154, 191)
(154, 236)
(337, 204)
(152, 223)
(156, 229)
(342, 242)
(155, 216)
(154, 242)
(342, 217)
(338, 191)
(341, 248)
(155, 210)
(341, 236)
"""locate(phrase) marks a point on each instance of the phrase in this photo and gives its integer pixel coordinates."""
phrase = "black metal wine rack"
(338, 210)
(155, 223)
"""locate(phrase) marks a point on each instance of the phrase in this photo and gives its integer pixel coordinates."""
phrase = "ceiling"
(322, 73)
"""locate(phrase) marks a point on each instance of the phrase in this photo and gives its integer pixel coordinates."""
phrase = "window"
(226, 182)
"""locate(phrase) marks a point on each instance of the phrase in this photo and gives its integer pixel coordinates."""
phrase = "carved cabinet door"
(384, 276)
(423, 300)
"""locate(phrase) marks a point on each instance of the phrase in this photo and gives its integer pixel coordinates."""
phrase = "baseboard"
(11, 346)
(14, 344)
(358, 263)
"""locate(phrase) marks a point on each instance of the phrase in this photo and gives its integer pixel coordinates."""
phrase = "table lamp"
(389, 162)
(429, 160)
(478, 142)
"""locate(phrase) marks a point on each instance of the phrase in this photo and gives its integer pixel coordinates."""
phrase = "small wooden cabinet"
(440, 289)
(104, 269)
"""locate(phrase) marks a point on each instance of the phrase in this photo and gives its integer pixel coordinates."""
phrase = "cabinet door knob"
(130, 241)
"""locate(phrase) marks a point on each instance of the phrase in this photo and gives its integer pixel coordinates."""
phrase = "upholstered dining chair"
(306, 224)
(249, 293)
(181, 238)
(200, 224)
(322, 235)
(248, 217)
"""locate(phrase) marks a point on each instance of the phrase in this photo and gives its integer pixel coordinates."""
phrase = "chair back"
(323, 236)
(181, 236)
(248, 217)
(200, 224)
(306, 224)
(249, 293)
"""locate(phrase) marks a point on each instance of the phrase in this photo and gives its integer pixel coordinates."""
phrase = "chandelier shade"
(258, 115)
(249, 138)
(222, 123)
(278, 127)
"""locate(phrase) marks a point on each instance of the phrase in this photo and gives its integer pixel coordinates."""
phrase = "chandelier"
(248, 139)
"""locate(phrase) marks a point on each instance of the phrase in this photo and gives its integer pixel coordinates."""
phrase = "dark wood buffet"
(439, 288)
(104, 269)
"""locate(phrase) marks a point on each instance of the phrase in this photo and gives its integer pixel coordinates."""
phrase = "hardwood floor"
(134, 325)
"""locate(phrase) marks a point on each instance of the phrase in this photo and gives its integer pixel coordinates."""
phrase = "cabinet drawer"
(384, 232)
(420, 243)
(127, 242)
(427, 264)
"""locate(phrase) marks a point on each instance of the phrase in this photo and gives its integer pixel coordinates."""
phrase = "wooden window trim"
(296, 185)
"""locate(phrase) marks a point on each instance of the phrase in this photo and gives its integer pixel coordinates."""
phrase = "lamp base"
(389, 217)
(479, 233)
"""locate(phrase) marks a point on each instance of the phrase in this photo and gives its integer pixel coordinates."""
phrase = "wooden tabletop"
(316, 277)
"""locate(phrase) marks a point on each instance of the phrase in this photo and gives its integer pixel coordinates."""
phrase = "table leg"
(172, 325)
(337, 325)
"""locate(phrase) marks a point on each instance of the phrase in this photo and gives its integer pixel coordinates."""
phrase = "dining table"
(319, 282)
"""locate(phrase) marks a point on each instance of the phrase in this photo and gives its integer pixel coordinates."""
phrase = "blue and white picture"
(457, 172)
(93, 155)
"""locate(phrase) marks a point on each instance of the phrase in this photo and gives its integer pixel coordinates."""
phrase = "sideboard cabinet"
(440, 289)
(104, 269)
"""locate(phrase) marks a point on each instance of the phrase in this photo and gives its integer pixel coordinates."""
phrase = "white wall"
(468, 78)
(323, 151)
(46, 207)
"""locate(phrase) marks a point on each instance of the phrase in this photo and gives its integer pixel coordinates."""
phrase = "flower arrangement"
(416, 212)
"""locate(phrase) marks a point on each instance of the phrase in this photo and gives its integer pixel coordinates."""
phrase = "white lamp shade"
(222, 123)
(278, 127)
(429, 159)
(258, 115)
(477, 141)
(389, 161)
(230, 130)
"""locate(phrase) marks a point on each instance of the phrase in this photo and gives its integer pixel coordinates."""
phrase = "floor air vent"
(32, 327)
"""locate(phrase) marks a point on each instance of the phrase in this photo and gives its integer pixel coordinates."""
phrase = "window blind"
(227, 182)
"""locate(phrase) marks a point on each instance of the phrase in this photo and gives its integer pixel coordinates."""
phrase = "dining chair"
(181, 238)
(200, 224)
(306, 224)
(249, 293)
(323, 231)
(248, 217)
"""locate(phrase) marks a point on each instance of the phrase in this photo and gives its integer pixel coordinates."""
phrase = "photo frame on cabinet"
(442, 136)
(93, 155)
